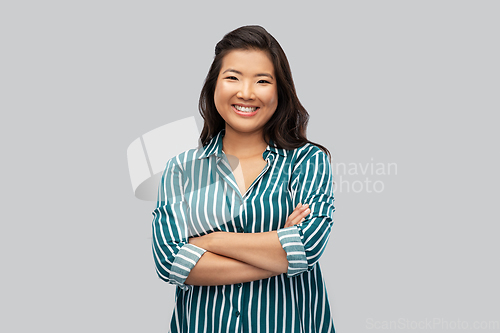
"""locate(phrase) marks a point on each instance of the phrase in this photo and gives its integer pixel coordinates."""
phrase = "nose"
(246, 92)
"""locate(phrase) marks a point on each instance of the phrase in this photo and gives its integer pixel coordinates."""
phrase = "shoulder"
(311, 167)
(185, 160)
(309, 160)
(308, 153)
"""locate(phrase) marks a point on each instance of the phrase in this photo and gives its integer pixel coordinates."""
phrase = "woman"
(241, 222)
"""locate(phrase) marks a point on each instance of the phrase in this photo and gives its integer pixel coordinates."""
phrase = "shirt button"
(240, 229)
(240, 285)
(237, 313)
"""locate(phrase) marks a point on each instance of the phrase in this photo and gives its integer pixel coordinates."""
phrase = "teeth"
(245, 109)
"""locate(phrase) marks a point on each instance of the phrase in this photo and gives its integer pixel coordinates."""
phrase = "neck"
(243, 145)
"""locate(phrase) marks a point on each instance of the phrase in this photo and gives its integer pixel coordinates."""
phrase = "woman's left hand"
(298, 215)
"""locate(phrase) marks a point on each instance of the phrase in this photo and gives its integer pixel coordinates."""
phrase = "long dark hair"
(287, 127)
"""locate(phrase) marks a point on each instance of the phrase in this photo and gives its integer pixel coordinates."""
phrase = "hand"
(298, 215)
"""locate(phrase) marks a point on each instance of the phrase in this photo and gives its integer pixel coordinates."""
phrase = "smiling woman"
(241, 222)
(246, 95)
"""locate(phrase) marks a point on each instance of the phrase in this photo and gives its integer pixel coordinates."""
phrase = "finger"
(302, 217)
(294, 222)
(297, 215)
(298, 211)
(301, 220)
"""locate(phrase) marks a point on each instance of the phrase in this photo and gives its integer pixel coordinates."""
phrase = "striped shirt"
(198, 194)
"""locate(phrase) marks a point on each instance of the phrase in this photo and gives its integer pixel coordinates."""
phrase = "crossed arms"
(221, 258)
(241, 257)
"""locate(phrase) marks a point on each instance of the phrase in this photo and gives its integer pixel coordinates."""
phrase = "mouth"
(245, 109)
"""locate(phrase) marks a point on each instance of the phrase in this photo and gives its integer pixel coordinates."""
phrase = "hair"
(287, 127)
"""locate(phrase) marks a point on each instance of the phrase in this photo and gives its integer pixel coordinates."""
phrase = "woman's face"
(246, 94)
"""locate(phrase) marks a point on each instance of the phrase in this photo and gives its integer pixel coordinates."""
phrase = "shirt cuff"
(295, 254)
(184, 261)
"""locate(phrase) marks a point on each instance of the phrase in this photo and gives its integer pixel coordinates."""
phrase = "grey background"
(409, 82)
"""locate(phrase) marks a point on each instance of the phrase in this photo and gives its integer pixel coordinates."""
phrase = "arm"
(298, 246)
(262, 250)
(227, 261)
(312, 182)
(213, 270)
(250, 248)
(174, 257)
(216, 269)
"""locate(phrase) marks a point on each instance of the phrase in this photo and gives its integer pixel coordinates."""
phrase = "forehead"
(248, 61)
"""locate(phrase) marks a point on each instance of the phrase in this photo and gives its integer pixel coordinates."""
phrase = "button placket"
(269, 159)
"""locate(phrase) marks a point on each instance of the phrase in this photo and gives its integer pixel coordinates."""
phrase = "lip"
(246, 105)
(245, 114)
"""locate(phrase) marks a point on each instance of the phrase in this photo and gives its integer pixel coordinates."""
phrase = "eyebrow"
(240, 73)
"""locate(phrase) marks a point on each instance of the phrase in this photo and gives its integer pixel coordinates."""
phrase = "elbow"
(315, 242)
(314, 254)
(171, 277)
(311, 262)
(162, 275)
(163, 270)
(174, 267)
(163, 264)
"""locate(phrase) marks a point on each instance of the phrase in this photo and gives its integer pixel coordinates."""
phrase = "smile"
(245, 108)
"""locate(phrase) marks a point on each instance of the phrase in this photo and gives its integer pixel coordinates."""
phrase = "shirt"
(198, 194)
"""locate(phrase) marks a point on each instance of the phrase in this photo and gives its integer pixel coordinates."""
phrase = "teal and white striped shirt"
(198, 194)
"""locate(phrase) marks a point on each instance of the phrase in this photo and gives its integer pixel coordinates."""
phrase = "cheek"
(221, 93)
(271, 98)
(218, 95)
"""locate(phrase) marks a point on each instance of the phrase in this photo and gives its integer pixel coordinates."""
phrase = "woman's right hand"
(298, 215)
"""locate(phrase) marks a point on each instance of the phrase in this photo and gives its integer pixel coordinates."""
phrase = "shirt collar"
(214, 147)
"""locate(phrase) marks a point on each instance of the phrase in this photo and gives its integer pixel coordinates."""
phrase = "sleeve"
(174, 257)
(311, 183)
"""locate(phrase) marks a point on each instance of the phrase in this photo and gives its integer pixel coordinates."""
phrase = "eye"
(264, 81)
(231, 78)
